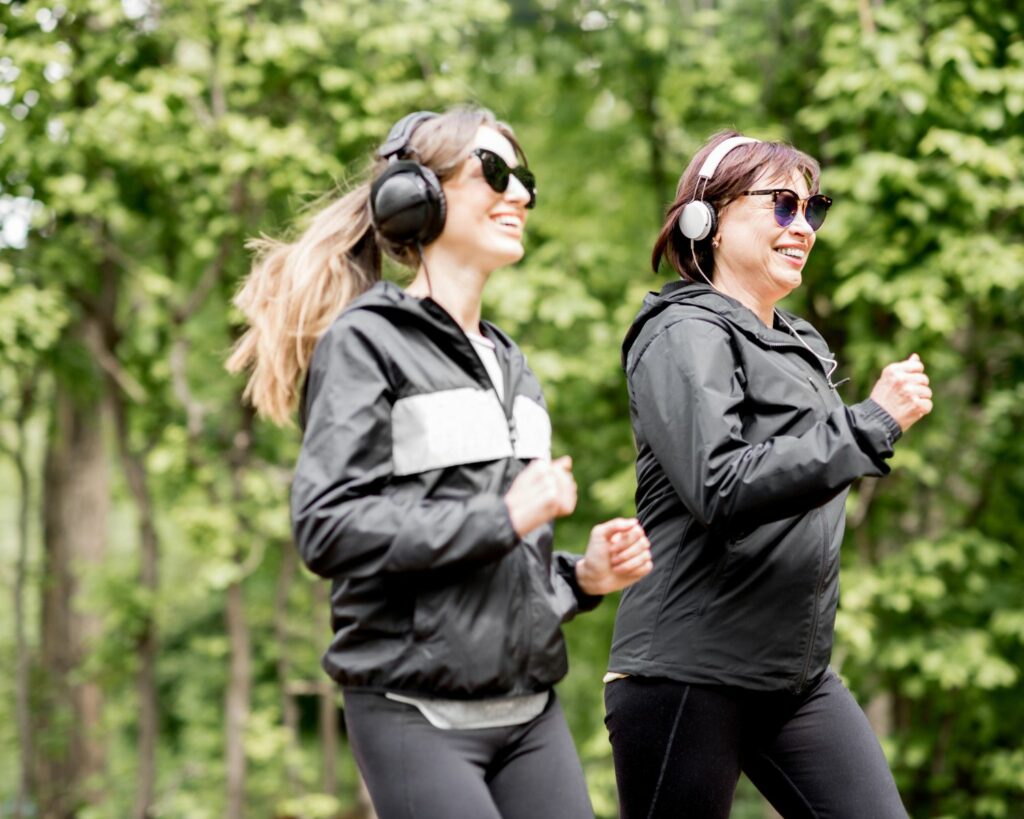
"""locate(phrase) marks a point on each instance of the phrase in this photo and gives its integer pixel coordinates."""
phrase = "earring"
(715, 243)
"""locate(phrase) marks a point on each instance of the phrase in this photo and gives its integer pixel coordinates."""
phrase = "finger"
(632, 565)
(536, 467)
(631, 550)
(639, 567)
(613, 526)
(625, 556)
(564, 463)
(627, 533)
(912, 365)
(626, 545)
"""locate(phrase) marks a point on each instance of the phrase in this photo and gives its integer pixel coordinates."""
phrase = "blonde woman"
(425, 490)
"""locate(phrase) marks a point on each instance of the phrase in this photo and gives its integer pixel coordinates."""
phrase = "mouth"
(509, 221)
(795, 255)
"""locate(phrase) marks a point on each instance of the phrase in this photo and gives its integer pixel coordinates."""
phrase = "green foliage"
(142, 143)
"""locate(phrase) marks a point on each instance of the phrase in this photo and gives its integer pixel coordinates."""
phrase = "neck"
(456, 286)
(757, 303)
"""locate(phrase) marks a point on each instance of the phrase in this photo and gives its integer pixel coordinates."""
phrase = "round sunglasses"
(787, 205)
(497, 172)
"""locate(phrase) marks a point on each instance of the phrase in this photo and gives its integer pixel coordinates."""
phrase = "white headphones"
(698, 218)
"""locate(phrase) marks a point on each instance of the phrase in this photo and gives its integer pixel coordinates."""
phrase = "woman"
(424, 488)
(719, 662)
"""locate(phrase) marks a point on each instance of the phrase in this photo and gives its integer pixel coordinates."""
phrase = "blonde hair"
(295, 290)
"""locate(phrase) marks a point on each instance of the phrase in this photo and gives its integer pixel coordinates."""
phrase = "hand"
(545, 490)
(903, 391)
(618, 554)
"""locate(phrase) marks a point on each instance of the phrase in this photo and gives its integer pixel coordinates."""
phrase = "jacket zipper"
(817, 604)
(823, 563)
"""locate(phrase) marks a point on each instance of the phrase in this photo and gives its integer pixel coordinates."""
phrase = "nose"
(800, 225)
(516, 192)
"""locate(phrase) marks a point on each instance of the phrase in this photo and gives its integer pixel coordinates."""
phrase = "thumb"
(565, 462)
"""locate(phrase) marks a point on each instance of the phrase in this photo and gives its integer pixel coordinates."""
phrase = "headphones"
(698, 219)
(406, 201)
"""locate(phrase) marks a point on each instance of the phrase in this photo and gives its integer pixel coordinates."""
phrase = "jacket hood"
(391, 301)
(703, 297)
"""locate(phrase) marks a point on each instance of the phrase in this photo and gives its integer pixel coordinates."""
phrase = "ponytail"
(294, 292)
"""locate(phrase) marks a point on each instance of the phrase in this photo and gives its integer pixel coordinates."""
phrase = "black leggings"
(416, 771)
(679, 749)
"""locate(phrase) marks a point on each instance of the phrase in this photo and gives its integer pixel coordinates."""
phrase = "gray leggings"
(416, 771)
(679, 749)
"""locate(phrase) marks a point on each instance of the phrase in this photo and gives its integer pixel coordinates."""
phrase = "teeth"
(790, 251)
(508, 221)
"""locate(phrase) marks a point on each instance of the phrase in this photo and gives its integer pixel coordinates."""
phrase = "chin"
(790, 281)
(512, 255)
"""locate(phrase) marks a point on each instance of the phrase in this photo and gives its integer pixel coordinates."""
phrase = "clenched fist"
(618, 554)
(545, 490)
(903, 391)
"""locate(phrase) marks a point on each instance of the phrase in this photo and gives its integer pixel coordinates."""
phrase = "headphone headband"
(401, 132)
(698, 219)
(707, 170)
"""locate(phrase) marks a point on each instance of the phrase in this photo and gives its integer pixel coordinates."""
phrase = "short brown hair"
(736, 173)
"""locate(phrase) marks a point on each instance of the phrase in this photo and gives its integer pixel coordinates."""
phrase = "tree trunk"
(329, 736)
(289, 709)
(75, 532)
(148, 648)
(328, 698)
(237, 704)
(879, 714)
(26, 789)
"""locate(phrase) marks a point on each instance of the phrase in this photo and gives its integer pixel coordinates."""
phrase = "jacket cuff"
(875, 410)
(565, 565)
(877, 431)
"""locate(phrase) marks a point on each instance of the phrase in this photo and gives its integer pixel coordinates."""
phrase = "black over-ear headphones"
(698, 219)
(406, 200)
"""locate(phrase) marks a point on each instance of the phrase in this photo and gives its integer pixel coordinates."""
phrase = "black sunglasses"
(787, 205)
(496, 174)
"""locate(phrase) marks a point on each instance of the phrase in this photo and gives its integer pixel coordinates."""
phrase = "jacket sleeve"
(563, 571)
(688, 401)
(344, 519)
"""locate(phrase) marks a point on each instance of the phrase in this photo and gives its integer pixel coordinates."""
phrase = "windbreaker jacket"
(397, 498)
(745, 457)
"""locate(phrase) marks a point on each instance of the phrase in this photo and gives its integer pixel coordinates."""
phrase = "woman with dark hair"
(746, 452)
(424, 489)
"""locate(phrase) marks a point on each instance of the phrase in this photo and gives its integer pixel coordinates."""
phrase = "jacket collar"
(391, 301)
(704, 297)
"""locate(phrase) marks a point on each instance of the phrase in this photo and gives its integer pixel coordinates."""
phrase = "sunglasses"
(787, 205)
(497, 172)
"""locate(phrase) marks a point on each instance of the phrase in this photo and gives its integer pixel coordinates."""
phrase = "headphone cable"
(823, 359)
(426, 270)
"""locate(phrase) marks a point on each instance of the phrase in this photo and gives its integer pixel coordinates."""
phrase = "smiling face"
(754, 252)
(484, 228)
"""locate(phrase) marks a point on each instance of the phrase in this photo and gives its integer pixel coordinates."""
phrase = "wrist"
(587, 579)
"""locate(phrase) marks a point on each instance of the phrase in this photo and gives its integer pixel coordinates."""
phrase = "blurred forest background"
(160, 643)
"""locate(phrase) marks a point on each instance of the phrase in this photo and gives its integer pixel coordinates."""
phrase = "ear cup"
(407, 204)
(697, 220)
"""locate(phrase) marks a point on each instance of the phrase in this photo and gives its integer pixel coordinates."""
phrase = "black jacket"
(745, 457)
(407, 453)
